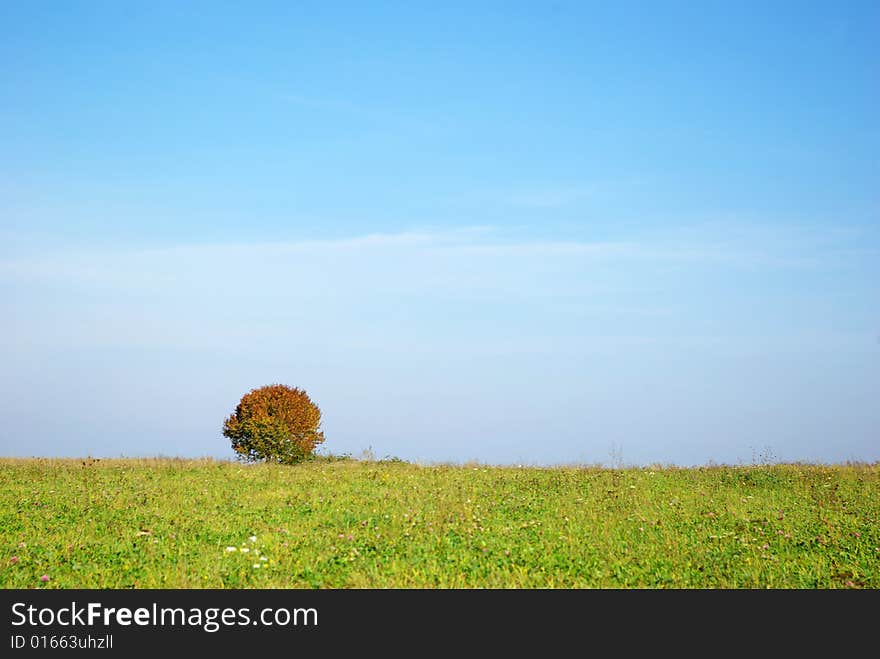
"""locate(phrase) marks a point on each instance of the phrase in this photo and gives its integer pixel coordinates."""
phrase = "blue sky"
(509, 232)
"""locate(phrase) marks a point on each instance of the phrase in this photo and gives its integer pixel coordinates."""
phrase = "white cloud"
(413, 283)
(427, 249)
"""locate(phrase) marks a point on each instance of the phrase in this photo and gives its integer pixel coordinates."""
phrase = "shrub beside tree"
(275, 423)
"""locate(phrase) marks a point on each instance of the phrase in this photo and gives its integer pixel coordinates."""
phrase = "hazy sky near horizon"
(507, 232)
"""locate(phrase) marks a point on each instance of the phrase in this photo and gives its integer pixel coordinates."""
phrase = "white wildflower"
(232, 549)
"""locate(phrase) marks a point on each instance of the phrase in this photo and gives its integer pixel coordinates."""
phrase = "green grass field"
(387, 524)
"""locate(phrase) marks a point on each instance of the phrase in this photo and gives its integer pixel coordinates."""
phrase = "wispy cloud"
(476, 249)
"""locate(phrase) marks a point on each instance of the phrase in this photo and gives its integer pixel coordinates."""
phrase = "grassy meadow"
(169, 523)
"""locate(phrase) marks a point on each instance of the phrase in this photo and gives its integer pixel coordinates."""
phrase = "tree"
(275, 423)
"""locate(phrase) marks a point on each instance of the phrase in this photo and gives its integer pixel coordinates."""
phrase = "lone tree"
(275, 423)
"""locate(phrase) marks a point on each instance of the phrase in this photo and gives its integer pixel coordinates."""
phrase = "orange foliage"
(276, 423)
